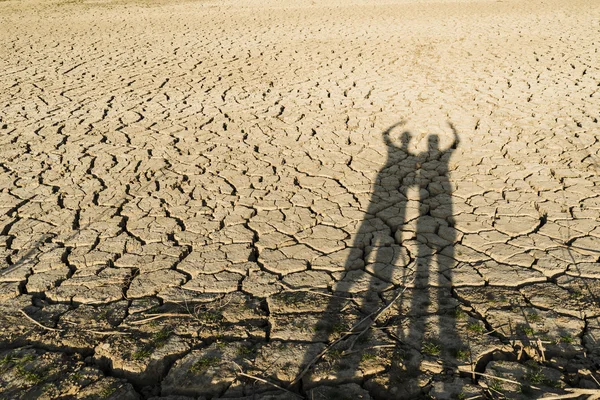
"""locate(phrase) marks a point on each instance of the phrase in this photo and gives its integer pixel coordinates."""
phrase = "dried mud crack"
(263, 199)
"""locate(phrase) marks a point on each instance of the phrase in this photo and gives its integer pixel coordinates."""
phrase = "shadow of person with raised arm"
(402, 315)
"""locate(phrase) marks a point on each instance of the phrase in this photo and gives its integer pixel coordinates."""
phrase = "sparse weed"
(368, 357)
(535, 376)
(525, 330)
(141, 354)
(495, 385)
(567, 339)
(76, 377)
(160, 338)
(246, 351)
(475, 327)
(209, 317)
(107, 392)
(221, 345)
(431, 349)
(203, 364)
(575, 294)
(459, 313)
(29, 376)
(534, 317)
(528, 331)
(462, 354)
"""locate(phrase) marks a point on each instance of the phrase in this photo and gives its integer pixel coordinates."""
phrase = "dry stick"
(501, 379)
(593, 393)
(157, 316)
(242, 373)
(381, 346)
(99, 332)
(318, 356)
(595, 380)
(541, 347)
(471, 356)
(38, 324)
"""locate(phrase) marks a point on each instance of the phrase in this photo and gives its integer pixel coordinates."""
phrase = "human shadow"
(407, 244)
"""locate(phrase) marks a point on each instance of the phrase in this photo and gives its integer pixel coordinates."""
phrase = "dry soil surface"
(362, 199)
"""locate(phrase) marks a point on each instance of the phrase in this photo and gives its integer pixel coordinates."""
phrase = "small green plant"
(567, 339)
(544, 336)
(7, 360)
(475, 327)
(221, 345)
(525, 330)
(102, 315)
(462, 354)
(431, 349)
(203, 364)
(28, 376)
(459, 314)
(5, 363)
(76, 376)
(107, 392)
(335, 355)
(209, 317)
(534, 317)
(535, 376)
(575, 294)
(160, 338)
(528, 331)
(141, 354)
(246, 351)
(368, 357)
(495, 385)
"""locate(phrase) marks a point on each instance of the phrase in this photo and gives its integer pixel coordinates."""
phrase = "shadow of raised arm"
(456, 141)
(386, 134)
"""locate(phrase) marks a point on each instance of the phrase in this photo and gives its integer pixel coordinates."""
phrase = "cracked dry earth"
(291, 199)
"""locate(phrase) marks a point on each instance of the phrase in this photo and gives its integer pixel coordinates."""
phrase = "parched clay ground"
(343, 199)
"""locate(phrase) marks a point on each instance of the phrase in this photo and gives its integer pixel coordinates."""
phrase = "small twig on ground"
(498, 378)
(471, 356)
(593, 393)
(541, 347)
(324, 294)
(382, 346)
(98, 332)
(157, 316)
(595, 380)
(256, 378)
(38, 324)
